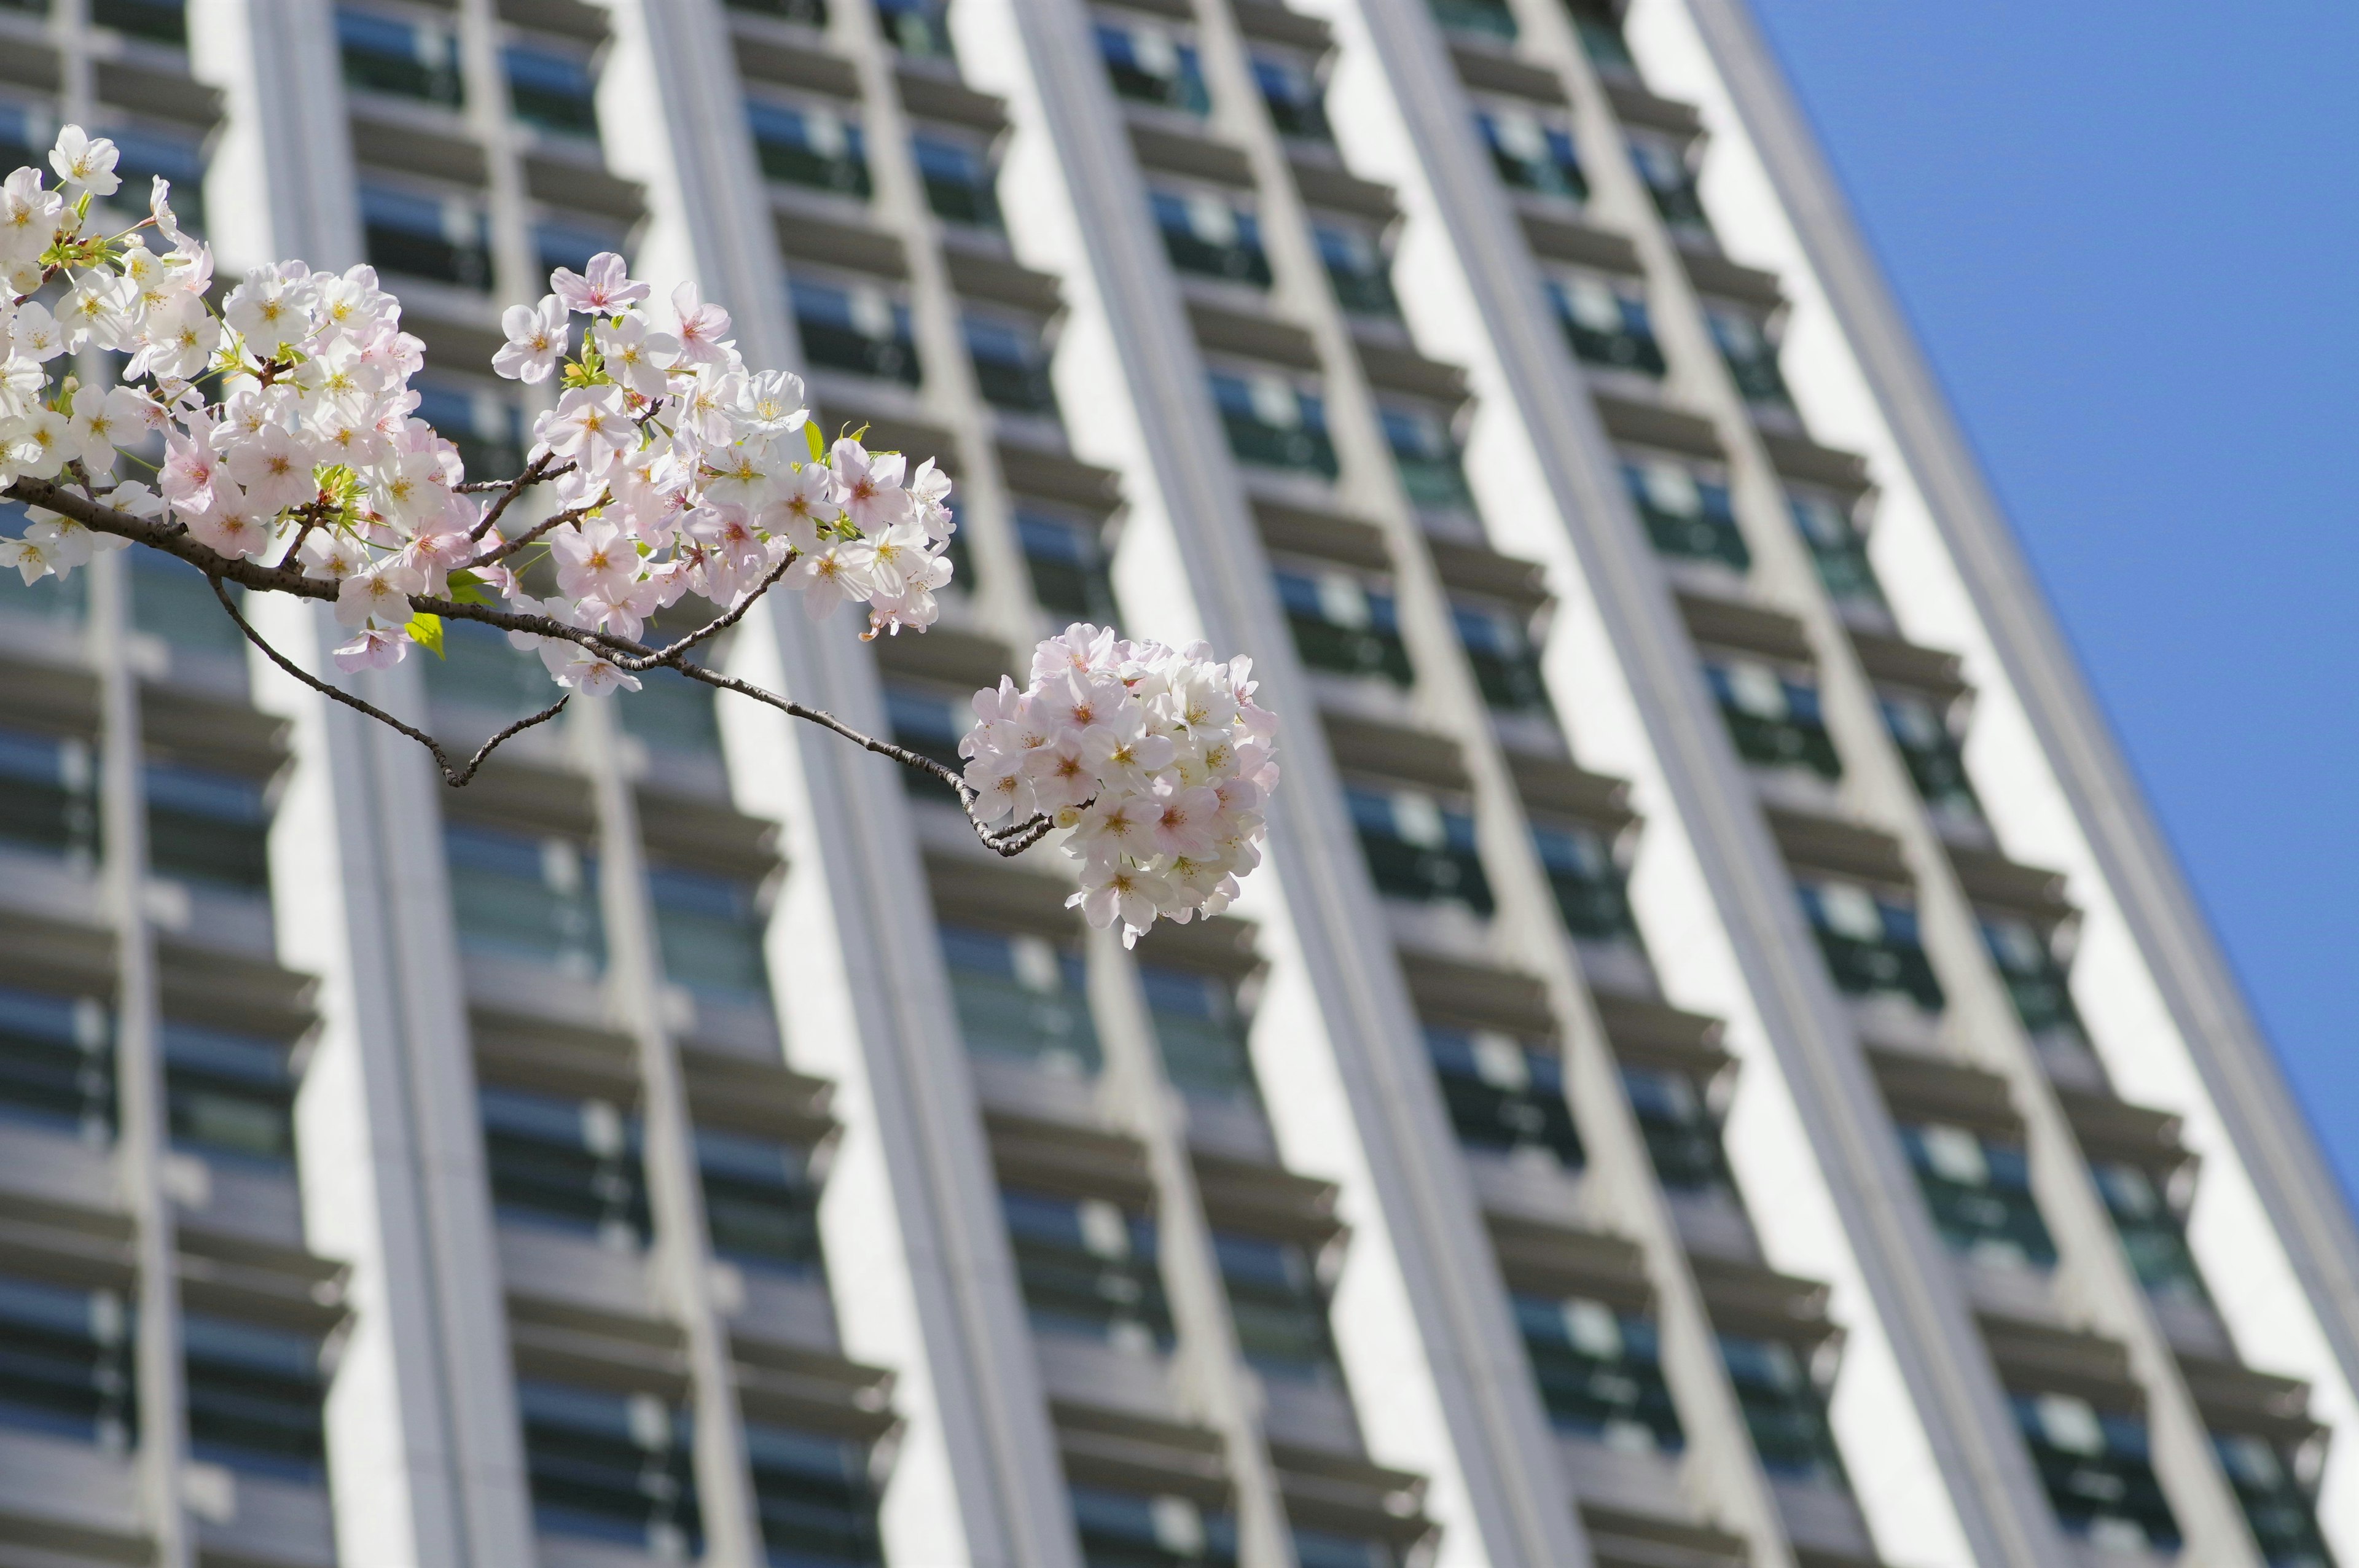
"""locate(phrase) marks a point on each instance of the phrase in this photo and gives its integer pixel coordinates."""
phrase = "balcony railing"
(1979, 1189)
(1599, 1372)
(1505, 1096)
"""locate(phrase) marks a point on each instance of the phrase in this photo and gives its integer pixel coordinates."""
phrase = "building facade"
(1718, 1068)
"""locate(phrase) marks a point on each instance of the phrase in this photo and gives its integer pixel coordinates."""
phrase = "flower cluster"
(282, 436)
(1158, 759)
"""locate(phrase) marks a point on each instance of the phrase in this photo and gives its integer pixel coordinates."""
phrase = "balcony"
(1022, 997)
(1068, 562)
(1272, 424)
(1670, 181)
(1294, 95)
(1206, 236)
(2152, 1233)
(611, 1467)
(552, 91)
(1419, 848)
(1532, 156)
(1499, 649)
(1607, 324)
(154, 21)
(2282, 1512)
(1147, 64)
(1751, 355)
(1343, 625)
(1978, 1187)
(1201, 1032)
(1087, 1268)
(961, 183)
(2098, 1470)
(1587, 882)
(1506, 1097)
(1359, 272)
(401, 58)
(565, 1163)
(815, 1495)
(803, 13)
(1935, 764)
(760, 1205)
(1122, 1527)
(1837, 550)
(1870, 943)
(2035, 981)
(1599, 1372)
(709, 928)
(809, 147)
(1773, 718)
(254, 1396)
(1011, 365)
(1784, 1412)
(1278, 1307)
(919, 29)
(1432, 473)
(443, 239)
(1686, 517)
(520, 897)
(1682, 1138)
(857, 328)
(1598, 23)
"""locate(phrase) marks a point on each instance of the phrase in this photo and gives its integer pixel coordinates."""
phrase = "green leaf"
(818, 442)
(426, 631)
(466, 587)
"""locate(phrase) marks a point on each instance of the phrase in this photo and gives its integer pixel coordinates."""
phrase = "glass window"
(1066, 557)
(1272, 423)
(1491, 19)
(570, 1164)
(1783, 1411)
(709, 927)
(2151, 1231)
(670, 712)
(1325, 1549)
(1687, 515)
(1294, 95)
(961, 183)
(1505, 1095)
(444, 238)
(919, 28)
(1424, 450)
(1930, 750)
(1752, 355)
(65, 1363)
(571, 241)
(1129, 1529)
(1023, 996)
(1211, 236)
(809, 13)
(1498, 644)
(1358, 269)
(1599, 1372)
(56, 1063)
(143, 153)
(1278, 1307)
(1979, 1188)
(49, 802)
(1202, 1030)
(1011, 365)
(1599, 25)
(1150, 64)
(1837, 548)
(1870, 942)
(553, 89)
(1419, 847)
(1606, 322)
(487, 426)
(930, 723)
(817, 1503)
(1532, 153)
(208, 828)
(2277, 1505)
(254, 1397)
(158, 21)
(520, 896)
(229, 1094)
(806, 145)
(1774, 718)
(1681, 1135)
(171, 601)
(856, 327)
(759, 1205)
(611, 1467)
(1088, 1268)
(2098, 1472)
(1670, 180)
(1343, 623)
(399, 55)
(2034, 980)
(1586, 880)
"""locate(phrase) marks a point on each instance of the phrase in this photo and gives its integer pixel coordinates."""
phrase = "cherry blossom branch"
(457, 778)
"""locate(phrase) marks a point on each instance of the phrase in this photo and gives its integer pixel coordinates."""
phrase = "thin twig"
(572, 514)
(534, 472)
(455, 778)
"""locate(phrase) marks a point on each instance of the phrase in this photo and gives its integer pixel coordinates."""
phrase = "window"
(1022, 997)
(1599, 1372)
(1419, 847)
(1272, 423)
(919, 28)
(1586, 880)
(526, 897)
(670, 712)
(759, 1205)
(65, 1363)
(1599, 25)
(1011, 364)
(1532, 155)
(1935, 763)
(48, 801)
(808, 144)
(1491, 19)
(1343, 623)
(208, 828)
(931, 723)
(1087, 1268)
(1837, 548)
(170, 601)
(816, 1501)
(1979, 1188)
(488, 427)
(571, 240)
(1150, 64)
(227, 1094)
(1870, 942)
(1773, 717)
(1280, 1310)
(1752, 355)
(478, 670)
(961, 183)
(2097, 1471)
(1324, 1549)
(2151, 1231)
(2034, 980)
(1128, 1529)
(1295, 96)
(2277, 1504)
(1670, 180)
(1506, 1096)
(1782, 1411)
(574, 1164)
(1424, 450)
(158, 21)
(855, 327)
(1606, 321)
(1357, 268)
(145, 152)
(552, 87)
(56, 1063)
(612, 1466)
(254, 1396)
(1211, 236)
(809, 13)
(398, 54)
(1687, 515)
(1498, 643)
(444, 238)
(710, 927)
(1201, 1030)
(1066, 557)
(1681, 1136)
(52, 605)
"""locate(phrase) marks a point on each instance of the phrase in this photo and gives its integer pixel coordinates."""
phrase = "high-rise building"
(1718, 1068)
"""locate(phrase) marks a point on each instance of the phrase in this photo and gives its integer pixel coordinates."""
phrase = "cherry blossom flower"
(537, 340)
(604, 288)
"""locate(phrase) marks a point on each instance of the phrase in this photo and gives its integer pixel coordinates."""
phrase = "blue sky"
(2125, 235)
